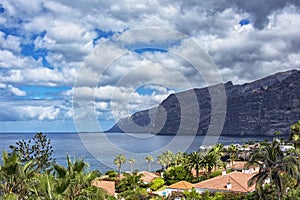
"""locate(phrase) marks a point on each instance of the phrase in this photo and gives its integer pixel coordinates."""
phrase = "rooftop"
(182, 185)
(238, 180)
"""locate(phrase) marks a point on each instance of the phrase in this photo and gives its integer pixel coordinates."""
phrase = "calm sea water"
(99, 150)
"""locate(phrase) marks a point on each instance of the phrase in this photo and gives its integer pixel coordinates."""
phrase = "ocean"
(99, 150)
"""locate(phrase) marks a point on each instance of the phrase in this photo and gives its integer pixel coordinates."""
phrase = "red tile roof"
(238, 180)
(182, 185)
(148, 176)
(108, 186)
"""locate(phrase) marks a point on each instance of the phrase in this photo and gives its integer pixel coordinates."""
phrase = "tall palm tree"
(119, 160)
(178, 158)
(166, 159)
(194, 161)
(162, 161)
(232, 150)
(209, 161)
(272, 163)
(131, 162)
(149, 159)
(218, 149)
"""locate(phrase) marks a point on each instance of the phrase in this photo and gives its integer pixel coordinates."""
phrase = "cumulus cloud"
(106, 71)
(16, 91)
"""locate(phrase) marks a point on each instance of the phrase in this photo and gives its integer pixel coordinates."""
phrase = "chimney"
(229, 185)
(223, 172)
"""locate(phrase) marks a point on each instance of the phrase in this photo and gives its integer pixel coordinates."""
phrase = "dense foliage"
(30, 172)
(38, 149)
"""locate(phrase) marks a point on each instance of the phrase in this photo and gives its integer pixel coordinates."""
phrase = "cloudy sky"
(95, 60)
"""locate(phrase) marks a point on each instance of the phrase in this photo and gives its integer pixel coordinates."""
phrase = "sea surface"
(99, 150)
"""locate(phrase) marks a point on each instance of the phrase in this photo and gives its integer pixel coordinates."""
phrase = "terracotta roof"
(239, 165)
(238, 180)
(182, 185)
(108, 186)
(148, 176)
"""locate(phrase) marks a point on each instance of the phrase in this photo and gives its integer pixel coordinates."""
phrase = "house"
(147, 177)
(234, 181)
(108, 186)
(286, 148)
(241, 167)
(178, 187)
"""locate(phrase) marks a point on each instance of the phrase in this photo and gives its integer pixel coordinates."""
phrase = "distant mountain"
(257, 108)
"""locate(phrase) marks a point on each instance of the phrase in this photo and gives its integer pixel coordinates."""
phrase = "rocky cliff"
(257, 108)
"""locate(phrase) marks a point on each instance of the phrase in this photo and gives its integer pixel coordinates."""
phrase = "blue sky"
(51, 49)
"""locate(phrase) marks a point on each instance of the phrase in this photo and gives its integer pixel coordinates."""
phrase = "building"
(234, 181)
(108, 186)
(179, 187)
(241, 166)
(148, 177)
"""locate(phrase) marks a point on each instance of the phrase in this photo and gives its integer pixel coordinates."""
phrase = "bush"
(111, 173)
(176, 174)
(157, 183)
(215, 173)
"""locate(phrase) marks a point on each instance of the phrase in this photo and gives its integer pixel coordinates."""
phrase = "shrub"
(111, 173)
(157, 183)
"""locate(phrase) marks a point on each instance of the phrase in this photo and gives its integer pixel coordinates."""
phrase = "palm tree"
(272, 163)
(295, 136)
(194, 161)
(130, 182)
(209, 161)
(131, 161)
(217, 149)
(13, 174)
(149, 159)
(119, 160)
(166, 159)
(162, 161)
(67, 183)
(232, 149)
(178, 158)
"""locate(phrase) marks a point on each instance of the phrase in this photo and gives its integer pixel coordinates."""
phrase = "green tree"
(73, 183)
(131, 162)
(66, 183)
(166, 159)
(295, 134)
(119, 160)
(218, 149)
(194, 161)
(272, 163)
(149, 159)
(130, 182)
(13, 175)
(209, 161)
(232, 149)
(178, 158)
(38, 149)
(157, 183)
(192, 195)
(175, 174)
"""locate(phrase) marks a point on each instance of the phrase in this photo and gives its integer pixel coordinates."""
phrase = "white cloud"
(270, 43)
(16, 91)
(9, 42)
(9, 60)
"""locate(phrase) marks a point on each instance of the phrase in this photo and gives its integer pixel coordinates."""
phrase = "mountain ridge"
(259, 108)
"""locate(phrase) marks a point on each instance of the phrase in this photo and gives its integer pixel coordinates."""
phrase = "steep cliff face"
(257, 108)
